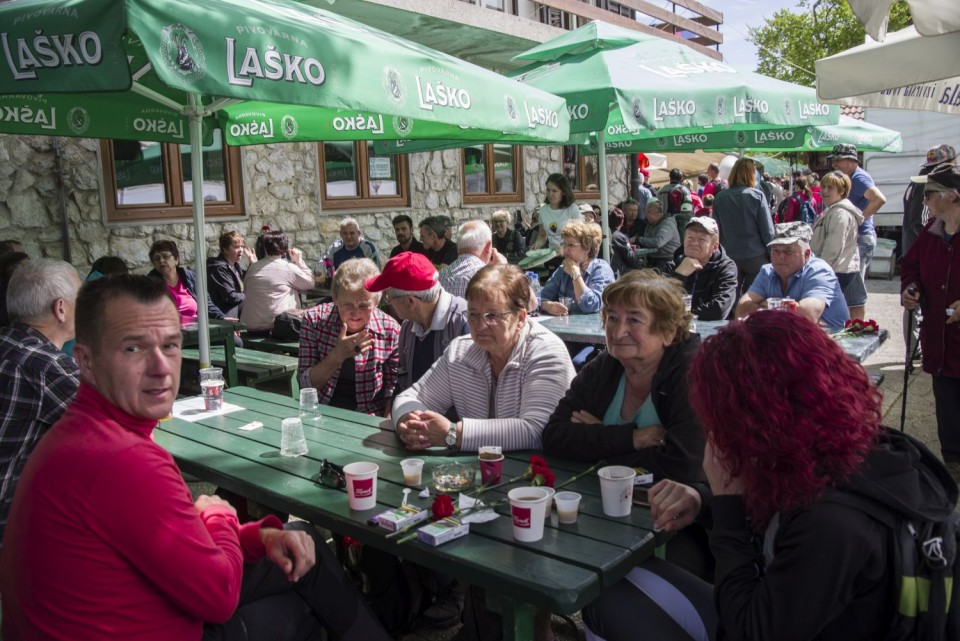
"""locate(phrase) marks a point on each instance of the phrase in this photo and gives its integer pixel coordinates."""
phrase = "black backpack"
(718, 186)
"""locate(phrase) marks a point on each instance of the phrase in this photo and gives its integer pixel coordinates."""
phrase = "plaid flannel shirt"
(376, 368)
(37, 382)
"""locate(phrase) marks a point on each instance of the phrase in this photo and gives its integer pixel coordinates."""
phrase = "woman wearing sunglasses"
(502, 381)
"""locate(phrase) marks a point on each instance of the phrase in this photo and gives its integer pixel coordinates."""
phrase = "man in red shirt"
(103, 540)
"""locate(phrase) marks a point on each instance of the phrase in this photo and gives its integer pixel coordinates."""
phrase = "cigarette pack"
(442, 531)
(400, 517)
(643, 477)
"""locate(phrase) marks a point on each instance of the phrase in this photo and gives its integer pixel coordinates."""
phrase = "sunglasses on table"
(331, 475)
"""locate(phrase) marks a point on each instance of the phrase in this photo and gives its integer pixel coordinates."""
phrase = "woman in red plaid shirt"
(349, 348)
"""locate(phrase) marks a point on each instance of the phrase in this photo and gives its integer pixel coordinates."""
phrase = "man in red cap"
(431, 316)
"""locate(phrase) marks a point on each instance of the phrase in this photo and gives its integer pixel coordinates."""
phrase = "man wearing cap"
(930, 279)
(795, 272)
(431, 316)
(864, 195)
(474, 252)
(707, 273)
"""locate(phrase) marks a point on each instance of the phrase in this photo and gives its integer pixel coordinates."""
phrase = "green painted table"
(221, 333)
(563, 572)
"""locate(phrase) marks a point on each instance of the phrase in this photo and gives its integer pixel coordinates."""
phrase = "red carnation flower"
(442, 507)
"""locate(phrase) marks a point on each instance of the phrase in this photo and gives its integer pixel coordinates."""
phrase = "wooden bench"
(267, 344)
(254, 367)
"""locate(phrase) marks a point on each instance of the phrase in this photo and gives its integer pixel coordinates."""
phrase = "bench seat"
(254, 367)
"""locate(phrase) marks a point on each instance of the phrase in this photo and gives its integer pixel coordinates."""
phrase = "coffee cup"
(361, 485)
(616, 489)
(527, 507)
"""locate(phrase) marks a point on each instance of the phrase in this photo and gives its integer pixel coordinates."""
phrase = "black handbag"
(286, 326)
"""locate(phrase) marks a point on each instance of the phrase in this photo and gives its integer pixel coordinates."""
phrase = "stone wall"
(281, 189)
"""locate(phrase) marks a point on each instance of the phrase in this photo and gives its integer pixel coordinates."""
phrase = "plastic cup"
(211, 384)
(688, 302)
(548, 508)
(527, 506)
(774, 303)
(568, 506)
(292, 440)
(568, 303)
(412, 471)
(310, 406)
(616, 489)
(361, 485)
(693, 323)
(491, 467)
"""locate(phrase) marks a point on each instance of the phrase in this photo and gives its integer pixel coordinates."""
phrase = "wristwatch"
(451, 438)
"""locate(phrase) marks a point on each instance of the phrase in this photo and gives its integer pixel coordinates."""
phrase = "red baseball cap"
(408, 271)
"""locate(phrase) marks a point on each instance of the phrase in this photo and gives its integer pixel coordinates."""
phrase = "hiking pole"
(911, 353)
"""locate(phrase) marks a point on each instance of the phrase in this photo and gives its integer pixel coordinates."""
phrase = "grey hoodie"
(835, 237)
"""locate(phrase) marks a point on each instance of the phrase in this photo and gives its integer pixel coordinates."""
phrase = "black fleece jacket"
(681, 456)
(714, 288)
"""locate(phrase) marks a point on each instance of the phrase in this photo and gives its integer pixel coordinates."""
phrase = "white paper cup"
(527, 506)
(568, 504)
(412, 471)
(292, 440)
(616, 489)
(361, 485)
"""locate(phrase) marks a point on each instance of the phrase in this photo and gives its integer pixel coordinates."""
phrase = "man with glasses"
(930, 280)
(431, 316)
(707, 273)
(794, 272)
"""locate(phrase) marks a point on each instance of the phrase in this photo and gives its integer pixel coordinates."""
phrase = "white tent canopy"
(906, 71)
(930, 17)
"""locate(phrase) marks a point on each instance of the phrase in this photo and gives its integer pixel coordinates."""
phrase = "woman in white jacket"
(835, 239)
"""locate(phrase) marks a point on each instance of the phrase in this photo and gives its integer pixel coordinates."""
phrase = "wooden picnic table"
(563, 572)
(221, 333)
(586, 328)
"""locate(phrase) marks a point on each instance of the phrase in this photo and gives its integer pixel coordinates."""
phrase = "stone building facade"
(46, 181)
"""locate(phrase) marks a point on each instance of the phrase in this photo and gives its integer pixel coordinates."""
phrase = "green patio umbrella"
(171, 70)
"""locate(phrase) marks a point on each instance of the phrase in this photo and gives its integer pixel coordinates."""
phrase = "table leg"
(518, 620)
(230, 356)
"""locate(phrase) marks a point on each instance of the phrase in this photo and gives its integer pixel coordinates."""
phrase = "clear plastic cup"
(616, 489)
(693, 323)
(292, 440)
(310, 406)
(211, 384)
(361, 485)
(774, 303)
(569, 302)
(568, 506)
(548, 508)
(688, 302)
(412, 471)
(527, 507)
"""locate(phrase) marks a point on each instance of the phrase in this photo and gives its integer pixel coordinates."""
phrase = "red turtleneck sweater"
(103, 541)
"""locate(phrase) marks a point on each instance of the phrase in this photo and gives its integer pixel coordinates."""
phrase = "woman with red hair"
(794, 442)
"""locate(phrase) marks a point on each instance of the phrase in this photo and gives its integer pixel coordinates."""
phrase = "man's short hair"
(434, 224)
(473, 235)
(402, 218)
(714, 167)
(94, 296)
(346, 222)
(676, 175)
(36, 285)
(628, 201)
(428, 295)
(226, 239)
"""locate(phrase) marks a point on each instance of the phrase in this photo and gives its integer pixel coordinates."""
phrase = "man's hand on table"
(292, 550)
(673, 505)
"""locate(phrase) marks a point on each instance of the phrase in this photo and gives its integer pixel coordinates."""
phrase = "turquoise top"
(645, 416)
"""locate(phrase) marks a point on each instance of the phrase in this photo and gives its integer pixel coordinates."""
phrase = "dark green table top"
(563, 572)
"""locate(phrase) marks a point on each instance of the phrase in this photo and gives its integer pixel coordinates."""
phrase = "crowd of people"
(444, 340)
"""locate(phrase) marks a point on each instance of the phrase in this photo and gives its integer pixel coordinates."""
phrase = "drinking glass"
(211, 384)
(310, 406)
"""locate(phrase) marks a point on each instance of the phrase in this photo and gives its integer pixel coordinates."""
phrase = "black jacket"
(622, 258)
(224, 285)
(680, 458)
(831, 574)
(714, 288)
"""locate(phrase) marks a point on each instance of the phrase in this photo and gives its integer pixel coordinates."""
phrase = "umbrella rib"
(146, 92)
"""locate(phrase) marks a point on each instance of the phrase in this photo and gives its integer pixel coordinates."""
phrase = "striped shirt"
(455, 276)
(511, 411)
(376, 368)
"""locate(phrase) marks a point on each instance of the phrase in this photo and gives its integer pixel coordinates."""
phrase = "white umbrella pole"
(199, 238)
(604, 223)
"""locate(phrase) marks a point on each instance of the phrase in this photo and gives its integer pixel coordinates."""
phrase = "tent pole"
(604, 208)
(199, 238)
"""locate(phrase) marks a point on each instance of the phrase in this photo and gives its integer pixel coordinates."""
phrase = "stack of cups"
(361, 485)
(616, 489)
(527, 507)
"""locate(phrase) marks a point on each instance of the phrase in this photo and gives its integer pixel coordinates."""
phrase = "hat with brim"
(844, 151)
(940, 154)
(708, 224)
(407, 271)
(945, 177)
(787, 233)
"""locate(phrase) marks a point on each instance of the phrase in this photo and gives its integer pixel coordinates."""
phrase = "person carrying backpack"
(800, 206)
(825, 525)
(674, 197)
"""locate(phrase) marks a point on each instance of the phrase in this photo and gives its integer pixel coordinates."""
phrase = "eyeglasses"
(331, 475)
(490, 318)
(571, 245)
(163, 257)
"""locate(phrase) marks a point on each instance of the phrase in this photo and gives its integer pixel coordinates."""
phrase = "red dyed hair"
(788, 411)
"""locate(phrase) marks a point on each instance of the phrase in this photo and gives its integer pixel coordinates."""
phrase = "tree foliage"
(789, 42)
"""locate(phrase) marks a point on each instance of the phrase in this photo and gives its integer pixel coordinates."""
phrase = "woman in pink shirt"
(180, 281)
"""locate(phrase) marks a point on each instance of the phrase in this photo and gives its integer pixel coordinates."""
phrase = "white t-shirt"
(553, 220)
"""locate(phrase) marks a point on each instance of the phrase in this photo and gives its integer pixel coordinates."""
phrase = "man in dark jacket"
(225, 275)
(707, 273)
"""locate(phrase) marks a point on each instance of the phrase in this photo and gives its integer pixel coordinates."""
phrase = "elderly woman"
(800, 552)
(272, 285)
(349, 349)
(582, 276)
(746, 227)
(180, 281)
(502, 380)
(629, 405)
(507, 240)
(660, 238)
(835, 239)
(707, 273)
(225, 275)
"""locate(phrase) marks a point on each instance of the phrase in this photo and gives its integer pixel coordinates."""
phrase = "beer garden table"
(221, 333)
(563, 572)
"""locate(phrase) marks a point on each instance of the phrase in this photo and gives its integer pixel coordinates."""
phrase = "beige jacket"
(835, 237)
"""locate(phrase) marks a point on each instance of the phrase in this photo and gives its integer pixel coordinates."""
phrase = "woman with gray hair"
(506, 239)
(348, 348)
